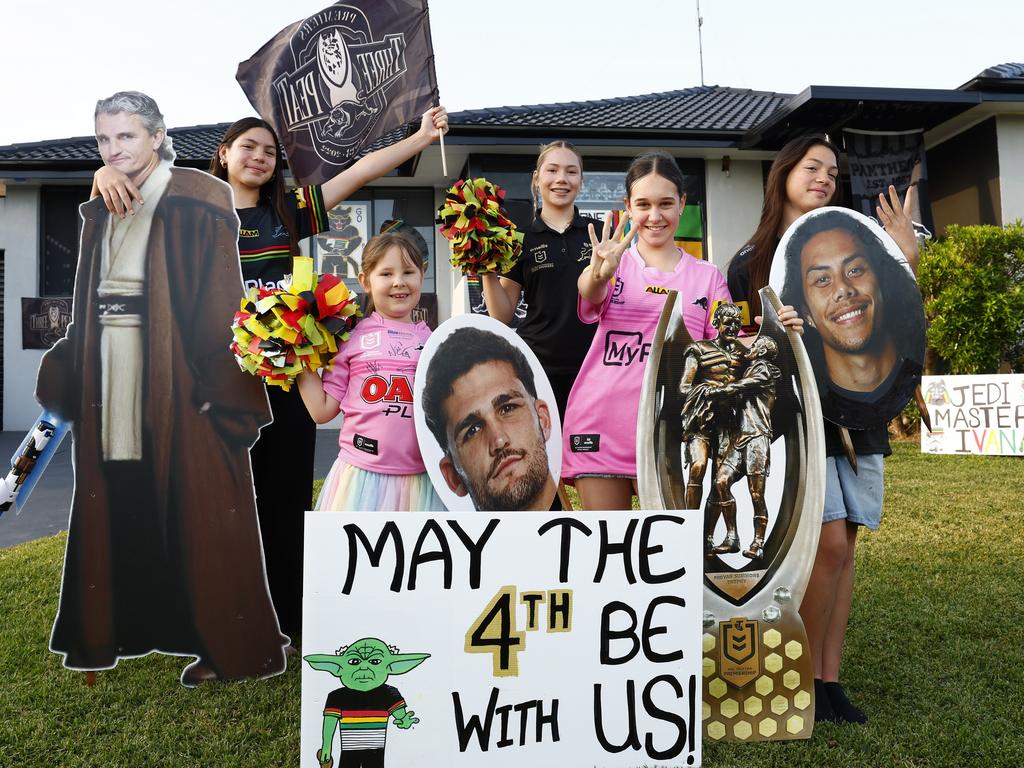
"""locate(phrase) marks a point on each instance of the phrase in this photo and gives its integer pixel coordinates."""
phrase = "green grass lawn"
(935, 653)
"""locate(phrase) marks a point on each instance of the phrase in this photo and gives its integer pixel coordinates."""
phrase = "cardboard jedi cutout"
(487, 425)
(163, 549)
(735, 431)
(865, 327)
(553, 640)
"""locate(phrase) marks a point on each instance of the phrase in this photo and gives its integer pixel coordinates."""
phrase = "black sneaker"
(844, 711)
(823, 712)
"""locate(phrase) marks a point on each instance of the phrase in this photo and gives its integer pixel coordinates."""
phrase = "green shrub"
(972, 281)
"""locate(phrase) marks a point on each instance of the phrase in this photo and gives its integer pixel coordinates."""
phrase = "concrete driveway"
(46, 512)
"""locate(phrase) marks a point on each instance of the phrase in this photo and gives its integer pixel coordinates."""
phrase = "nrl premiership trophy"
(736, 431)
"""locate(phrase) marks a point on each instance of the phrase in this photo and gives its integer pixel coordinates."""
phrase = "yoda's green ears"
(394, 663)
(400, 663)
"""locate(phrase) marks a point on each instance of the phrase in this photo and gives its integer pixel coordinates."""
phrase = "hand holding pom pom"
(483, 238)
(280, 332)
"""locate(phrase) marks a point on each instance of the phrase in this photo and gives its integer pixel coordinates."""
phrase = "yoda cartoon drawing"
(362, 706)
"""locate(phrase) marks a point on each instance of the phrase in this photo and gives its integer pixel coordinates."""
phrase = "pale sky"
(58, 57)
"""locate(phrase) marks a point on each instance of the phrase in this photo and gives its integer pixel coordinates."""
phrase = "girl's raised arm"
(376, 164)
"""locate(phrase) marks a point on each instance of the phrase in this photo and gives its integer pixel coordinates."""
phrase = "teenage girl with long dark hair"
(803, 178)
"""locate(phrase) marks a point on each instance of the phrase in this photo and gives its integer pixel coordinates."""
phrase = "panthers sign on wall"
(334, 83)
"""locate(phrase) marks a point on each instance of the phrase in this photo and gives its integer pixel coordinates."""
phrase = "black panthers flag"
(879, 159)
(336, 82)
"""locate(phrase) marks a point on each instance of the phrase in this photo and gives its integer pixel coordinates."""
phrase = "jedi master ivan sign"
(974, 414)
(504, 639)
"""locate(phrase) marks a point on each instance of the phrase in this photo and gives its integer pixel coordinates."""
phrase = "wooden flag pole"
(444, 160)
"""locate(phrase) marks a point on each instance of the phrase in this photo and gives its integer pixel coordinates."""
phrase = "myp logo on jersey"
(394, 392)
(340, 80)
(622, 348)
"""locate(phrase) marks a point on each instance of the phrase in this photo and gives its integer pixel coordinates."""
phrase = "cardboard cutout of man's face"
(863, 310)
(841, 292)
(497, 434)
(125, 144)
(489, 437)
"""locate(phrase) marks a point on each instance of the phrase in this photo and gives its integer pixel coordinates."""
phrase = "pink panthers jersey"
(372, 379)
(599, 427)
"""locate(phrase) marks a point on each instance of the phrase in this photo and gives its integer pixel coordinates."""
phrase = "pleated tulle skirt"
(351, 489)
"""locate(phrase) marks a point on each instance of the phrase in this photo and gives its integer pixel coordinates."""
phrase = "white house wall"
(1010, 141)
(733, 203)
(19, 239)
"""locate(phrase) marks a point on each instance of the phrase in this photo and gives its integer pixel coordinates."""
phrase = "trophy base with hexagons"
(758, 678)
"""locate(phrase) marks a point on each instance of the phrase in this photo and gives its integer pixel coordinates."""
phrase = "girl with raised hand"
(379, 465)
(623, 291)
(803, 178)
(273, 219)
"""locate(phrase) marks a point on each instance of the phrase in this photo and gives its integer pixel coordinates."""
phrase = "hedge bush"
(972, 282)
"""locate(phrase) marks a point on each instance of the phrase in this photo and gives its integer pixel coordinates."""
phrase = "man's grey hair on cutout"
(136, 103)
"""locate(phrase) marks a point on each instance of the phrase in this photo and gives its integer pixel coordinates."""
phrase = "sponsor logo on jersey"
(623, 348)
(248, 233)
(395, 388)
(702, 302)
(585, 443)
(617, 288)
(365, 444)
(655, 289)
(268, 284)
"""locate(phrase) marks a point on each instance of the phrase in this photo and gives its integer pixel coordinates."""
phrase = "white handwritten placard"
(508, 639)
(974, 414)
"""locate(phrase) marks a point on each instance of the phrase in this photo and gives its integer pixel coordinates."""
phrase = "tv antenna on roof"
(700, 44)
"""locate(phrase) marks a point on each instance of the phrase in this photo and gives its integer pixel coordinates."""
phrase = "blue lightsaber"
(31, 458)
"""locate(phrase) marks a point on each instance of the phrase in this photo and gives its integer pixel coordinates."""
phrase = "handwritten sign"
(505, 639)
(974, 414)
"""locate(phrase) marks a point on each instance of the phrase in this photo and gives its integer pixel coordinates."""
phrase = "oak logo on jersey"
(625, 348)
(395, 391)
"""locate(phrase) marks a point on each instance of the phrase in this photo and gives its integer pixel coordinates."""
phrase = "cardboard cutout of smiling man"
(484, 411)
(163, 549)
(865, 317)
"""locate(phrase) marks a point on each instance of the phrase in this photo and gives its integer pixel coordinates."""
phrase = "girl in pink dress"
(379, 465)
(623, 291)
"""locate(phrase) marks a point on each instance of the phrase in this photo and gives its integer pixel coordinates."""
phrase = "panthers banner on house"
(878, 159)
(336, 82)
(502, 639)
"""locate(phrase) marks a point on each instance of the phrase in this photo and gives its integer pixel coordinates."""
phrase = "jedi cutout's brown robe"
(164, 553)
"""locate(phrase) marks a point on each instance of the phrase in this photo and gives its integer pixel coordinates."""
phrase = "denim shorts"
(855, 497)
